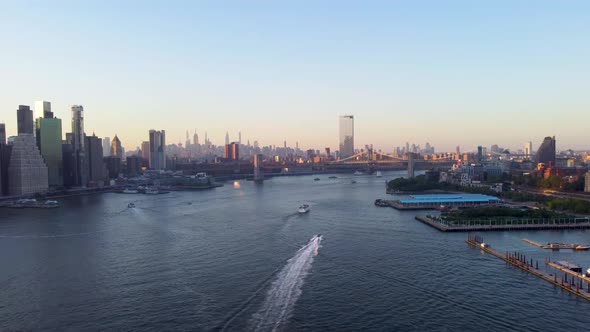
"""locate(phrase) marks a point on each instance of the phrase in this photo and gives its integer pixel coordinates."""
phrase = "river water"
(240, 258)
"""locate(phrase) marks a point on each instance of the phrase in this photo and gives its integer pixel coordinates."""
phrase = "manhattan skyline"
(448, 74)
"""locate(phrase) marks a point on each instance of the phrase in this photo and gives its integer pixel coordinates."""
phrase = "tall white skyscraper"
(346, 136)
(528, 149)
(226, 138)
(78, 127)
(106, 146)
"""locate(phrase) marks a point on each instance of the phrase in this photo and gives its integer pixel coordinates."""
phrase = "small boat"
(316, 179)
(352, 182)
(303, 208)
(581, 247)
(381, 203)
(357, 173)
(129, 191)
(332, 177)
(131, 205)
(378, 174)
(150, 191)
(588, 273)
(51, 203)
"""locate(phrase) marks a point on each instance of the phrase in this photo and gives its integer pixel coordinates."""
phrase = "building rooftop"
(449, 198)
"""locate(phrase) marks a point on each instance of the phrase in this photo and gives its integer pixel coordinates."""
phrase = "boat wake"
(286, 288)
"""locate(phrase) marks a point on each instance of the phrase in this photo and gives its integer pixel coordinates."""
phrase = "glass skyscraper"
(49, 139)
(346, 136)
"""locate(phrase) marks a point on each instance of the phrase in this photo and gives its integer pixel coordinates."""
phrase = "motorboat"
(316, 179)
(352, 182)
(131, 205)
(588, 273)
(51, 203)
(303, 208)
(357, 173)
(332, 177)
(152, 191)
(378, 174)
(129, 191)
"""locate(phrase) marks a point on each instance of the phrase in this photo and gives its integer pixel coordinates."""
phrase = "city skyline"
(406, 74)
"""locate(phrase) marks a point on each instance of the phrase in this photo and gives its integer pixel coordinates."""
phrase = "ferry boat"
(303, 208)
(131, 205)
(378, 174)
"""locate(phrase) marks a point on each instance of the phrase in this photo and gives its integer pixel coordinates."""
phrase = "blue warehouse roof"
(449, 198)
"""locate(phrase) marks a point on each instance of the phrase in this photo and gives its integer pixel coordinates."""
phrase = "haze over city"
(447, 73)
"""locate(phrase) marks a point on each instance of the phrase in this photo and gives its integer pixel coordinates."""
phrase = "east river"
(241, 258)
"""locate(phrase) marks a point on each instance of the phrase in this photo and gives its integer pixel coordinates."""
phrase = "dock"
(574, 284)
(558, 246)
(484, 227)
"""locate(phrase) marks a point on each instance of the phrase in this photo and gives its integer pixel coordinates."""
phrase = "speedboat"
(378, 174)
(303, 208)
(131, 205)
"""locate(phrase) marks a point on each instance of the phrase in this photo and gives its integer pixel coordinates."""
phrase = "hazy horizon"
(453, 73)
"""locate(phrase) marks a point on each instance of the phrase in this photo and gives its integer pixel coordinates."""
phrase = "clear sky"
(446, 72)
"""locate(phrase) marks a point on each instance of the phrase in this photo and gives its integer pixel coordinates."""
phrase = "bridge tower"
(411, 164)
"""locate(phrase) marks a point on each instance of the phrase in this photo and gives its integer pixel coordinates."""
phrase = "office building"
(226, 138)
(479, 154)
(346, 136)
(95, 157)
(196, 138)
(78, 142)
(528, 150)
(546, 152)
(24, 117)
(232, 151)
(49, 139)
(2, 133)
(43, 109)
(134, 164)
(587, 182)
(27, 172)
(106, 146)
(116, 149)
(145, 151)
(113, 166)
(5, 151)
(157, 149)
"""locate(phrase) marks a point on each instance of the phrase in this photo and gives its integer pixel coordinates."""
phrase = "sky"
(446, 72)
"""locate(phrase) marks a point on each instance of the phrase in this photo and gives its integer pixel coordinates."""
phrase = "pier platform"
(503, 227)
(574, 284)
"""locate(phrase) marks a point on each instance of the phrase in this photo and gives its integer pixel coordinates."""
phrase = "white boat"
(358, 173)
(129, 191)
(303, 208)
(378, 174)
(51, 202)
(150, 191)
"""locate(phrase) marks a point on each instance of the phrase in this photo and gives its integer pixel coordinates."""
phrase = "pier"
(515, 225)
(574, 284)
(558, 246)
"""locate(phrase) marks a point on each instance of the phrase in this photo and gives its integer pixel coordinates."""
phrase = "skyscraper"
(546, 152)
(2, 133)
(116, 149)
(24, 117)
(528, 149)
(196, 138)
(78, 141)
(49, 139)
(27, 172)
(145, 151)
(43, 109)
(232, 151)
(226, 138)
(106, 146)
(346, 136)
(96, 165)
(157, 149)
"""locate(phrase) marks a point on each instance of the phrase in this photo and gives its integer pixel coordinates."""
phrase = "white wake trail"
(286, 288)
